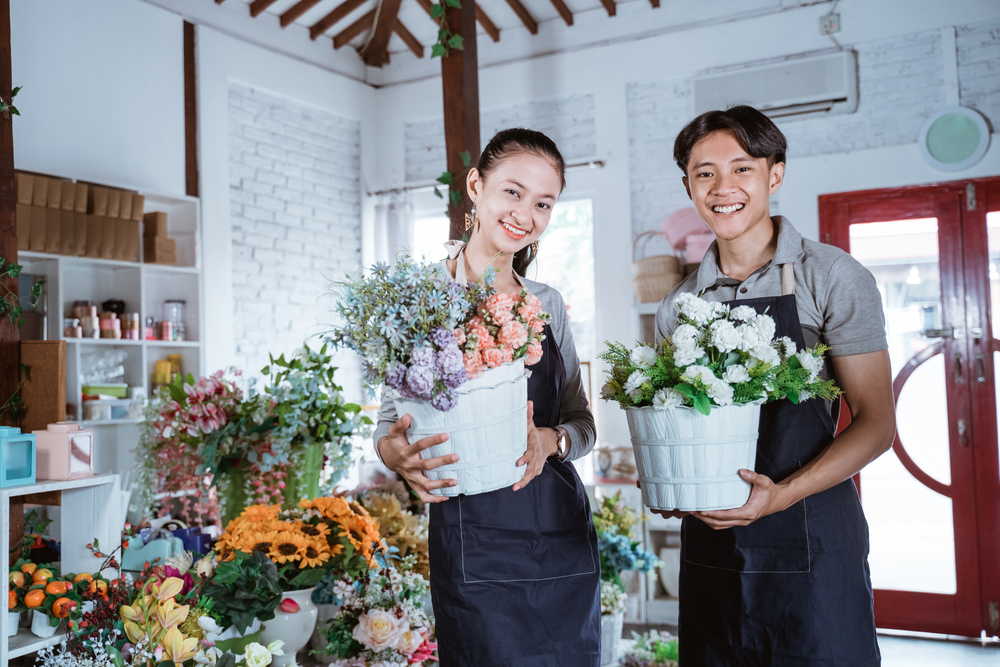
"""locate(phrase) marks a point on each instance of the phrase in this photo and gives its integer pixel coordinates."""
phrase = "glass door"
(921, 498)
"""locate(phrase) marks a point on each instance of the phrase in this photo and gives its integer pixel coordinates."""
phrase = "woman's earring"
(534, 248)
(469, 222)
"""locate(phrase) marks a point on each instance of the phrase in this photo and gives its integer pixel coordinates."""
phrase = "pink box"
(64, 451)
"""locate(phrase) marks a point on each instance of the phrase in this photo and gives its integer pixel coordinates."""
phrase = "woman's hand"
(401, 457)
(766, 497)
(541, 445)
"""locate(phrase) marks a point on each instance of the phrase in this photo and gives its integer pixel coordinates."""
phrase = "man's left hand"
(764, 499)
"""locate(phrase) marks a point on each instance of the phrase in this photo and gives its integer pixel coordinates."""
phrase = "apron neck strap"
(787, 279)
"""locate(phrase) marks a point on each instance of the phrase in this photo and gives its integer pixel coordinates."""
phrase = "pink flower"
(378, 629)
(494, 356)
(473, 363)
(513, 335)
(499, 307)
(409, 642)
(459, 335)
(537, 325)
(534, 354)
(485, 341)
(424, 653)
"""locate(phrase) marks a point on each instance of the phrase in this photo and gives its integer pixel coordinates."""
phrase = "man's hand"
(401, 457)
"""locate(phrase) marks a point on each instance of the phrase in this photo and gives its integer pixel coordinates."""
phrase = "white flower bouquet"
(720, 362)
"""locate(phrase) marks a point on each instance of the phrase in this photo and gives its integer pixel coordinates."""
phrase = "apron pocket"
(777, 543)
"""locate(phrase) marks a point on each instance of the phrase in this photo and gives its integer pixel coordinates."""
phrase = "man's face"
(729, 188)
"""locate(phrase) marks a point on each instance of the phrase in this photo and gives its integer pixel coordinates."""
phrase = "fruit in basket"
(62, 607)
(16, 578)
(83, 575)
(57, 587)
(11, 598)
(28, 568)
(41, 575)
(34, 598)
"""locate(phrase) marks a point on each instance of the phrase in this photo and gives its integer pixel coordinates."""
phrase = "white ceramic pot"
(488, 428)
(293, 629)
(40, 624)
(689, 461)
(13, 620)
(611, 632)
(233, 641)
(325, 612)
(670, 571)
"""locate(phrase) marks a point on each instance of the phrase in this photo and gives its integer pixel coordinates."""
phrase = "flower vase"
(13, 620)
(294, 628)
(326, 612)
(690, 461)
(235, 642)
(303, 482)
(611, 632)
(40, 625)
(487, 428)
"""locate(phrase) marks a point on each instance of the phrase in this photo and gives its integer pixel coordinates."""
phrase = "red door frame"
(975, 473)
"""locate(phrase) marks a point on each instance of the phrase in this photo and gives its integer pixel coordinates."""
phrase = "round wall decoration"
(954, 139)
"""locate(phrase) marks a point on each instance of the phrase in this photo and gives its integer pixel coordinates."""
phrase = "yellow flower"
(316, 553)
(134, 632)
(287, 547)
(170, 614)
(178, 648)
(255, 541)
(168, 588)
(317, 531)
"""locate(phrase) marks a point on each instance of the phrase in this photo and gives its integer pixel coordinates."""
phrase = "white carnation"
(694, 308)
(633, 385)
(686, 348)
(736, 374)
(685, 334)
(725, 337)
(667, 398)
(811, 363)
(719, 309)
(764, 354)
(743, 313)
(786, 345)
(643, 357)
(765, 327)
(687, 357)
(720, 392)
(702, 373)
(750, 337)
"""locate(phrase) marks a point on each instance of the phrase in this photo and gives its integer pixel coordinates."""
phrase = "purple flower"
(443, 401)
(442, 338)
(456, 379)
(395, 376)
(420, 380)
(422, 356)
(449, 360)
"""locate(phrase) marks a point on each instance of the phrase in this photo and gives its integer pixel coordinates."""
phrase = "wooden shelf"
(114, 342)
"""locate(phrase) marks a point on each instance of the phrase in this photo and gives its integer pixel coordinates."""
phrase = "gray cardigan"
(574, 411)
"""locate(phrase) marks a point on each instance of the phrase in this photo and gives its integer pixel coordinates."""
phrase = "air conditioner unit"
(816, 85)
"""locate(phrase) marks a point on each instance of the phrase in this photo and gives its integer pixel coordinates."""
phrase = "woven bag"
(653, 277)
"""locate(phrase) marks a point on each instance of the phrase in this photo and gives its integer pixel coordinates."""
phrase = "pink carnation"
(495, 356)
(513, 335)
(534, 354)
(499, 307)
(486, 341)
(533, 302)
(537, 325)
(459, 333)
(473, 363)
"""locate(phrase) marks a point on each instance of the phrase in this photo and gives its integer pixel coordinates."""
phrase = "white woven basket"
(689, 461)
(487, 428)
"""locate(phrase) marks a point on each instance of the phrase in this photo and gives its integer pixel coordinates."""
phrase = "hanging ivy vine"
(447, 40)
(10, 305)
(4, 107)
(453, 183)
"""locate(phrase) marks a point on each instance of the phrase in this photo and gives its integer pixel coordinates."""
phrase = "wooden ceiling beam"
(297, 10)
(409, 39)
(522, 13)
(258, 6)
(610, 6)
(355, 29)
(219, 2)
(376, 50)
(564, 11)
(655, 3)
(488, 25)
(334, 17)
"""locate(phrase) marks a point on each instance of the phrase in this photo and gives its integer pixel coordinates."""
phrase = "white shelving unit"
(144, 288)
(89, 508)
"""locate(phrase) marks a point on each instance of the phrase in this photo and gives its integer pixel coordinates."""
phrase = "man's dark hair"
(755, 132)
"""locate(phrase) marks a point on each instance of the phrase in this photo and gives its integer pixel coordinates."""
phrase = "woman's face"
(514, 203)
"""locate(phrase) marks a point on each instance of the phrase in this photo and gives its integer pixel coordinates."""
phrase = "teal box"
(17, 457)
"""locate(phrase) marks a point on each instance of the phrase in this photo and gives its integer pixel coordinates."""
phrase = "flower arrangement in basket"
(453, 357)
(652, 649)
(689, 402)
(381, 621)
(619, 553)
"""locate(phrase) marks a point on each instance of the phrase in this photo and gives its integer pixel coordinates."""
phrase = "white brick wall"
(567, 121)
(296, 215)
(900, 83)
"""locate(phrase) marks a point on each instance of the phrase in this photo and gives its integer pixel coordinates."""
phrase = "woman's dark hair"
(754, 131)
(517, 141)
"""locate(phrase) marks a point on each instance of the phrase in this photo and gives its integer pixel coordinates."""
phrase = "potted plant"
(244, 592)
(452, 357)
(381, 619)
(693, 403)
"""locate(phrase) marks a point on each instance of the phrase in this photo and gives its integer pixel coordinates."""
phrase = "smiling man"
(784, 579)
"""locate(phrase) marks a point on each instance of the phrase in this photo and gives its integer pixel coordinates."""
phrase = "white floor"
(911, 652)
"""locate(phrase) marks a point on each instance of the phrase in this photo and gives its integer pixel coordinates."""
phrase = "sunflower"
(332, 508)
(315, 554)
(287, 546)
(362, 532)
(251, 541)
(320, 530)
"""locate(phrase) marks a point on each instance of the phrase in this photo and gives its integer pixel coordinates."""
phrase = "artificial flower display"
(618, 551)
(400, 529)
(652, 649)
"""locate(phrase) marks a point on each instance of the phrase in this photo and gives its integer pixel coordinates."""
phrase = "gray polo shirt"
(836, 297)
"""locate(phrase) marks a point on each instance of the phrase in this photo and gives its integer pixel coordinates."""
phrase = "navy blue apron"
(793, 588)
(515, 577)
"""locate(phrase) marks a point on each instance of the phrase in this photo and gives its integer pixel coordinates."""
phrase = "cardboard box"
(159, 250)
(121, 239)
(67, 235)
(24, 183)
(68, 195)
(55, 194)
(114, 203)
(156, 224)
(138, 203)
(95, 232)
(97, 201)
(126, 210)
(131, 240)
(45, 393)
(22, 215)
(109, 229)
(40, 191)
(39, 221)
(79, 234)
(53, 230)
(81, 198)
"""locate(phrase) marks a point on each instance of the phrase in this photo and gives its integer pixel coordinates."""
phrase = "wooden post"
(10, 353)
(190, 111)
(460, 82)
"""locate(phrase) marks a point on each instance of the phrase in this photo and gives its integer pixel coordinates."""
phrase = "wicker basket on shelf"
(653, 277)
